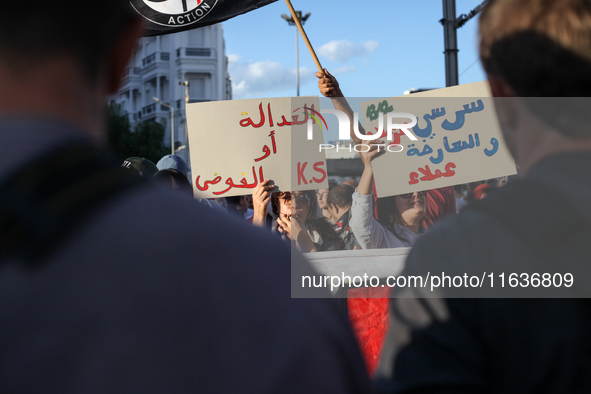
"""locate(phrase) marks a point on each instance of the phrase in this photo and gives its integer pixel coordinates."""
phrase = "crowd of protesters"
(104, 289)
(339, 217)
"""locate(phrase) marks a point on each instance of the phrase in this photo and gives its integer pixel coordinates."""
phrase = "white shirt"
(370, 233)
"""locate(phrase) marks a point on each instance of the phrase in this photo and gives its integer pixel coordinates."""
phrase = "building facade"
(167, 68)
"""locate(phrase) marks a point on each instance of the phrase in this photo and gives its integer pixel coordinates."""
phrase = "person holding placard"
(400, 223)
(439, 202)
(298, 218)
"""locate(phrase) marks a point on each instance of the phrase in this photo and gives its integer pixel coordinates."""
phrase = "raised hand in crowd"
(328, 84)
(376, 147)
(329, 87)
(261, 197)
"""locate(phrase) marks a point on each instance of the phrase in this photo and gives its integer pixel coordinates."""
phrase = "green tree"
(145, 141)
(149, 135)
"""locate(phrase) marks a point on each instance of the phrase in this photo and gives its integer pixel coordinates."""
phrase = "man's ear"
(121, 53)
(334, 208)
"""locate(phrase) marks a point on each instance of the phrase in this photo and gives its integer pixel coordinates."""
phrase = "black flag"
(172, 16)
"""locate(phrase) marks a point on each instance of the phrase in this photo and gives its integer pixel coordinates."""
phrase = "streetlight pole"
(451, 42)
(450, 25)
(291, 21)
(171, 122)
(186, 85)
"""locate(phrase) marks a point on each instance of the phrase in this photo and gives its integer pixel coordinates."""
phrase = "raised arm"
(366, 181)
(369, 232)
(329, 87)
(260, 201)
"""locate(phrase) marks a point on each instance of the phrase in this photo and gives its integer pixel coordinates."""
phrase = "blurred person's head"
(140, 166)
(537, 56)
(246, 201)
(63, 60)
(173, 180)
(31, 33)
(540, 48)
(235, 206)
(174, 162)
(471, 186)
(351, 182)
(339, 200)
(481, 191)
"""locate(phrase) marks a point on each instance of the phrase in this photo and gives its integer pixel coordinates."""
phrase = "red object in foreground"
(369, 319)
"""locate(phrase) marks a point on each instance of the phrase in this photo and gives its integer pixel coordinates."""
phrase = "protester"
(322, 195)
(238, 206)
(173, 176)
(109, 284)
(351, 182)
(173, 180)
(458, 193)
(261, 200)
(298, 218)
(470, 190)
(539, 223)
(339, 203)
(481, 191)
(400, 221)
(439, 202)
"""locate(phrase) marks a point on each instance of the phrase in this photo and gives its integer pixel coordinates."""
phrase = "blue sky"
(376, 48)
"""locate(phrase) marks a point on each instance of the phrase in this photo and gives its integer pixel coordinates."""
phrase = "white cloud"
(257, 78)
(342, 51)
(342, 70)
(233, 58)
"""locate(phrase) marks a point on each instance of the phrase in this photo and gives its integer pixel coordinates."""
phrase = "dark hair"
(341, 196)
(541, 49)
(320, 225)
(33, 30)
(387, 215)
(174, 180)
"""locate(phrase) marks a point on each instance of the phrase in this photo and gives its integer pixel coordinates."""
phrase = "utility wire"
(473, 63)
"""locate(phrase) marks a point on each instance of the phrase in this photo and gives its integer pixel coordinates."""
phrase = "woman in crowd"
(298, 218)
(400, 216)
(322, 195)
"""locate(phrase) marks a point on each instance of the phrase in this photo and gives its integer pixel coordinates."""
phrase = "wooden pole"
(303, 33)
